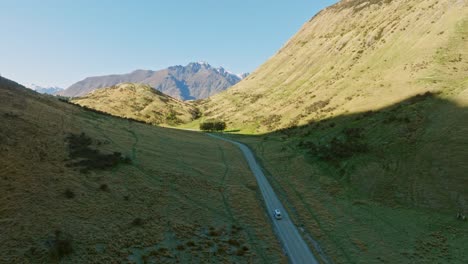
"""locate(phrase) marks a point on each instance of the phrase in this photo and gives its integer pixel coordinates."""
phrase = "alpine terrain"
(349, 145)
(82, 187)
(44, 90)
(353, 57)
(361, 122)
(194, 81)
(140, 102)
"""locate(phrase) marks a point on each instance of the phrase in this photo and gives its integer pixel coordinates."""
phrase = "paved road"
(294, 245)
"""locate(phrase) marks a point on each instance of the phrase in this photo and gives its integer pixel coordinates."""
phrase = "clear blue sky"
(59, 42)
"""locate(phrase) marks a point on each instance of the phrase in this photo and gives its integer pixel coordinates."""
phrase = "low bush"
(69, 194)
(88, 158)
(104, 187)
(60, 245)
(180, 247)
(233, 242)
(214, 125)
(348, 143)
(138, 222)
(191, 244)
(316, 106)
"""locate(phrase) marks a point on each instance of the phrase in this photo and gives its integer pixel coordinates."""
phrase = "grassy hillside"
(353, 57)
(363, 117)
(81, 187)
(382, 186)
(140, 102)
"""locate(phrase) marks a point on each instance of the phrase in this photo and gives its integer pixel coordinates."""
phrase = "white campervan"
(277, 214)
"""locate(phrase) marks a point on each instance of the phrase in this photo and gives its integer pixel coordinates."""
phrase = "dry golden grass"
(178, 186)
(352, 59)
(140, 102)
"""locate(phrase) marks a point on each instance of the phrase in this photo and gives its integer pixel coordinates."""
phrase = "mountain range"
(196, 80)
(44, 89)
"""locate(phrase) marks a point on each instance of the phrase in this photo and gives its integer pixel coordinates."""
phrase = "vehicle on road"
(277, 214)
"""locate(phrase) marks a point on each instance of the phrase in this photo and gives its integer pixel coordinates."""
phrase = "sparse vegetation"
(162, 186)
(348, 143)
(87, 158)
(60, 245)
(69, 194)
(367, 144)
(140, 103)
(104, 187)
(138, 222)
(374, 165)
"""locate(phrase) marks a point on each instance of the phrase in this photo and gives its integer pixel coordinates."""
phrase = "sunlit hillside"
(140, 102)
(355, 56)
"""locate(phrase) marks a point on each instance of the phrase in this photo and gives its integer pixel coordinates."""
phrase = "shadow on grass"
(398, 155)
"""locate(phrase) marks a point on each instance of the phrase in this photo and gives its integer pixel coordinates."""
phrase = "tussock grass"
(180, 183)
(397, 200)
(354, 57)
(140, 102)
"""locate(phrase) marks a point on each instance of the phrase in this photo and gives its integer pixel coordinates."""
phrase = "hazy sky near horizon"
(59, 42)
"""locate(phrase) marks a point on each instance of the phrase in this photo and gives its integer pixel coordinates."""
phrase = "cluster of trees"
(213, 125)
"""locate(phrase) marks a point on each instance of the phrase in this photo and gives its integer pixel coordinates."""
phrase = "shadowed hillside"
(81, 187)
(378, 186)
(352, 57)
(140, 102)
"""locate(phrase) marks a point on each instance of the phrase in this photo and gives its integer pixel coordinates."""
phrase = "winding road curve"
(294, 245)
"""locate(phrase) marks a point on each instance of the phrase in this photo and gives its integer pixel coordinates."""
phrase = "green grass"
(178, 186)
(397, 201)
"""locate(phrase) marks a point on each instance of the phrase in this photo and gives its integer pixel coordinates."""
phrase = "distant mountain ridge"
(197, 80)
(44, 89)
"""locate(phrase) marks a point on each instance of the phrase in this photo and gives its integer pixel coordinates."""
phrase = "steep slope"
(379, 186)
(194, 81)
(140, 102)
(352, 57)
(81, 187)
(365, 115)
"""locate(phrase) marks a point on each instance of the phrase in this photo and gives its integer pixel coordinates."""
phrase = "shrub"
(60, 245)
(191, 244)
(195, 113)
(271, 121)
(69, 194)
(316, 106)
(233, 242)
(89, 158)
(104, 187)
(213, 125)
(172, 118)
(349, 142)
(240, 252)
(180, 247)
(214, 233)
(138, 222)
